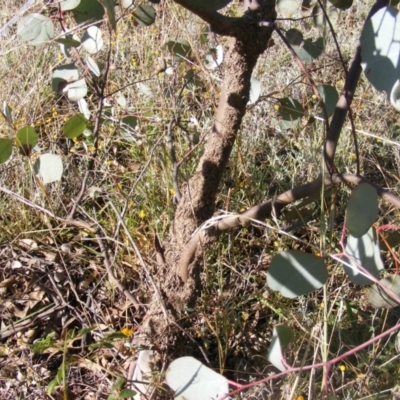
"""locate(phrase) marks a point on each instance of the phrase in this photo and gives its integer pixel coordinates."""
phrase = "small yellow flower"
(322, 305)
(243, 209)
(127, 331)
(54, 114)
(142, 214)
(241, 184)
(301, 397)
(172, 191)
(342, 368)
(314, 96)
(276, 106)
(48, 120)
(60, 57)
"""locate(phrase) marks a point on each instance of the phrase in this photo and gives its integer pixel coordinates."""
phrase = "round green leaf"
(26, 136)
(92, 40)
(380, 49)
(191, 380)
(291, 112)
(379, 298)
(294, 37)
(330, 97)
(282, 335)
(67, 5)
(30, 26)
(363, 251)
(179, 49)
(75, 126)
(88, 10)
(287, 7)
(49, 167)
(362, 209)
(294, 273)
(5, 150)
(76, 90)
(46, 34)
(63, 75)
(208, 5)
(68, 42)
(145, 14)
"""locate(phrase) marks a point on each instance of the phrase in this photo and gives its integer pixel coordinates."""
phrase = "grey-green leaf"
(255, 90)
(330, 97)
(145, 14)
(49, 167)
(362, 209)
(63, 75)
(208, 5)
(92, 40)
(282, 335)
(179, 48)
(294, 273)
(380, 49)
(88, 10)
(291, 112)
(363, 251)
(35, 29)
(67, 5)
(7, 112)
(379, 298)
(5, 150)
(75, 126)
(110, 8)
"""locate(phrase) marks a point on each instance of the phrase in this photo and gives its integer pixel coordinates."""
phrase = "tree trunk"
(197, 203)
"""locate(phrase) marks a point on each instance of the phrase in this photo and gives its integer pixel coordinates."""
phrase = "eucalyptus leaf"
(179, 48)
(330, 98)
(255, 90)
(294, 273)
(49, 167)
(363, 251)
(282, 335)
(26, 140)
(92, 40)
(67, 5)
(7, 112)
(395, 96)
(208, 5)
(75, 126)
(5, 150)
(379, 298)
(291, 112)
(380, 48)
(92, 65)
(362, 209)
(88, 10)
(145, 14)
(76, 90)
(110, 9)
(63, 75)
(214, 58)
(191, 380)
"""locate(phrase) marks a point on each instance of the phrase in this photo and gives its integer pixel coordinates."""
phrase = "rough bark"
(197, 204)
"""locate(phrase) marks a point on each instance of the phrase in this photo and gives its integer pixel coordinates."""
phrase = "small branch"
(111, 275)
(265, 210)
(175, 164)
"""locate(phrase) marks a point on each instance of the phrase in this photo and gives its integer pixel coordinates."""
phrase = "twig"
(175, 165)
(264, 210)
(111, 275)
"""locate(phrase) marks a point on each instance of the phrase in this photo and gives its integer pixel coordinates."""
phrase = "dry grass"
(235, 313)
